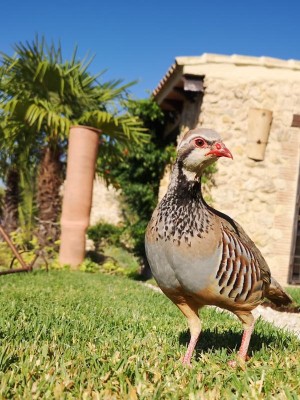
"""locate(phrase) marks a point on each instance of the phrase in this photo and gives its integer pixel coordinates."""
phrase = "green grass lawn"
(295, 293)
(74, 335)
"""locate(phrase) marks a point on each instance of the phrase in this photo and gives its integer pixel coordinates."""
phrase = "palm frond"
(43, 116)
(122, 128)
(41, 70)
(42, 96)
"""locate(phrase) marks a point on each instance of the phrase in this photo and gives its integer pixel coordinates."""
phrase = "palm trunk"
(48, 197)
(11, 201)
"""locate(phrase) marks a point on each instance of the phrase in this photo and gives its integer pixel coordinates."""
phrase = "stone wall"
(105, 204)
(261, 196)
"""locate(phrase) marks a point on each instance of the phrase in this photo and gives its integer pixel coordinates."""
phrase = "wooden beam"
(13, 248)
(25, 267)
(193, 83)
(296, 121)
(191, 111)
(180, 92)
(173, 105)
(186, 94)
(15, 271)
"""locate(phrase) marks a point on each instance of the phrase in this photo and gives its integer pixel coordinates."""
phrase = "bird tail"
(277, 295)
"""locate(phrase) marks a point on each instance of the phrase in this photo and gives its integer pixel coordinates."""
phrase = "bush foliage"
(138, 176)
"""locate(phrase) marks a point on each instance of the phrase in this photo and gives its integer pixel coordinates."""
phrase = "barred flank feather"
(277, 295)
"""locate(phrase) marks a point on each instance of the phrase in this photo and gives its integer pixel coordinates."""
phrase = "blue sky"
(139, 40)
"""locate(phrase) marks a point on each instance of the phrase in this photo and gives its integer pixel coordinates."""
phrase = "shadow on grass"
(7, 359)
(96, 257)
(136, 276)
(212, 340)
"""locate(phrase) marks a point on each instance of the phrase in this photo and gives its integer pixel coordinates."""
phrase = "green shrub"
(104, 233)
(138, 175)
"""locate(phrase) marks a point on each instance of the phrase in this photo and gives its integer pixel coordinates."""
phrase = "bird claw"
(185, 362)
(232, 363)
(239, 362)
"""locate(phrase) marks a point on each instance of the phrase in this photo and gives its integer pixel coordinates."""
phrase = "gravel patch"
(284, 320)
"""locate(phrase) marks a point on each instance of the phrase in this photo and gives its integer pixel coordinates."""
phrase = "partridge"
(200, 256)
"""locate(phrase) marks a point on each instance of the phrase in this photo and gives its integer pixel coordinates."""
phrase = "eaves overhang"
(171, 89)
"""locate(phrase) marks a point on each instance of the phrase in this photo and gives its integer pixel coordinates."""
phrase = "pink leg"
(191, 347)
(245, 342)
(242, 353)
(191, 312)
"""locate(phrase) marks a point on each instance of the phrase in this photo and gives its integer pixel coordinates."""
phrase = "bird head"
(199, 148)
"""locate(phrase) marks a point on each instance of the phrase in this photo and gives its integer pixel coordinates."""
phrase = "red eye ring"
(199, 142)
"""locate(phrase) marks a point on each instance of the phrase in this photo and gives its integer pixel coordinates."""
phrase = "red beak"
(220, 150)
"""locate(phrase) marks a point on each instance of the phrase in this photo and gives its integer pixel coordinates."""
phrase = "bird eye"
(199, 142)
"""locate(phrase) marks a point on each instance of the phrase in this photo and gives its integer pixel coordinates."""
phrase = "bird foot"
(239, 362)
(232, 363)
(186, 362)
(187, 365)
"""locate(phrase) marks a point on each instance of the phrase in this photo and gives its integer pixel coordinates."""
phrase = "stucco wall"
(105, 204)
(259, 195)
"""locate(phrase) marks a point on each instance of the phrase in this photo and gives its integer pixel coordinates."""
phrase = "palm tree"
(11, 201)
(12, 168)
(46, 95)
(18, 167)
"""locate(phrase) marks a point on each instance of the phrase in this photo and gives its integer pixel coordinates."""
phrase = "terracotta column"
(259, 125)
(78, 191)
